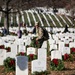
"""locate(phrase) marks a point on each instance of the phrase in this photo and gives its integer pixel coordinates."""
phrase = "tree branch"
(2, 10)
(9, 9)
(8, 2)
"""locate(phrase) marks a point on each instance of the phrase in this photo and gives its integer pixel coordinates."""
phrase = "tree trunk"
(7, 17)
(6, 22)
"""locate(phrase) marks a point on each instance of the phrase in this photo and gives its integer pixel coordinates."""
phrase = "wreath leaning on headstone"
(21, 54)
(34, 43)
(56, 64)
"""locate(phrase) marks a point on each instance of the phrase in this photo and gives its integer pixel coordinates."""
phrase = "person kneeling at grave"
(41, 33)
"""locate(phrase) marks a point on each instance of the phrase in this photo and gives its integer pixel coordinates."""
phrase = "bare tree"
(7, 5)
(5, 9)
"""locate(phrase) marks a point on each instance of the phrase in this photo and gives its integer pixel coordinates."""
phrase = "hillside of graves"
(19, 56)
(55, 57)
(46, 19)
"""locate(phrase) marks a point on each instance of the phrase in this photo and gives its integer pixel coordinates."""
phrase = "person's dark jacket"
(45, 33)
(19, 34)
(34, 31)
(4, 31)
(66, 29)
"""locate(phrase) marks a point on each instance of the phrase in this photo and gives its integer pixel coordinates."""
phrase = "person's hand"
(36, 39)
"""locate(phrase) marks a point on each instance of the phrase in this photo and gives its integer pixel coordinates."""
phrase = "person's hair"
(37, 23)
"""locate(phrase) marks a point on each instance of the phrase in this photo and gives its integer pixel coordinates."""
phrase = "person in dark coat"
(66, 29)
(4, 32)
(19, 33)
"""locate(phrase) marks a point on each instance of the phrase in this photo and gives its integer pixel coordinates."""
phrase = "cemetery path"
(2, 71)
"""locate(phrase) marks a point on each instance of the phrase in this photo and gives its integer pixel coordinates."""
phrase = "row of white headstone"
(36, 65)
(57, 44)
(59, 50)
(18, 46)
(40, 63)
(22, 61)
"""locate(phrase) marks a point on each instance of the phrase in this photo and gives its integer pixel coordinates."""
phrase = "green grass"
(56, 22)
(71, 20)
(26, 19)
(37, 19)
(2, 20)
(42, 18)
(20, 18)
(67, 20)
(31, 19)
(14, 20)
(62, 22)
(49, 20)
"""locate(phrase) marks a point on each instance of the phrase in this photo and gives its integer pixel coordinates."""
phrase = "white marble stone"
(66, 50)
(42, 54)
(38, 66)
(1, 42)
(14, 50)
(61, 46)
(51, 41)
(2, 56)
(44, 45)
(27, 40)
(20, 42)
(22, 48)
(66, 41)
(56, 54)
(31, 50)
(53, 46)
(72, 44)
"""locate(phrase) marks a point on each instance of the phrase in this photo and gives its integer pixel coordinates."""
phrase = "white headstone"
(42, 54)
(20, 41)
(9, 54)
(27, 40)
(51, 41)
(38, 66)
(31, 50)
(61, 46)
(2, 56)
(1, 42)
(22, 48)
(66, 50)
(21, 65)
(7, 44)
(56, 54)
(44, 45)
(62, 39)
(72, 44)
(53, 46)
(14, 49)
(66, 41)
(70, 39)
